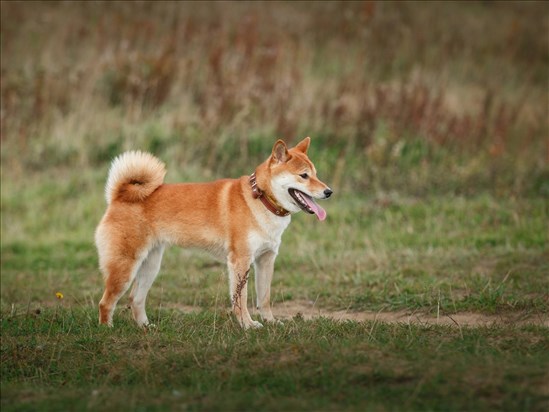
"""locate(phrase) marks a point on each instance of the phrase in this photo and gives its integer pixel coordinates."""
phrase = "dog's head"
(294, 183)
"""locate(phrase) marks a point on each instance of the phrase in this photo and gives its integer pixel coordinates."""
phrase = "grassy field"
(434, 255)
(429, 120)
(61, 360)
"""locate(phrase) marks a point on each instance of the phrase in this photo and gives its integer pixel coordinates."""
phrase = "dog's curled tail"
(133, 176)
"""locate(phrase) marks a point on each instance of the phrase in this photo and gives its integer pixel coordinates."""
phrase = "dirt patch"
(308, 310)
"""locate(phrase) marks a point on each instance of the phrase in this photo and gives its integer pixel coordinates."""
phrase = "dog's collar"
(257, 193)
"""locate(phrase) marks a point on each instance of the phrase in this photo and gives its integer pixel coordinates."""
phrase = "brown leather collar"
(273, 207)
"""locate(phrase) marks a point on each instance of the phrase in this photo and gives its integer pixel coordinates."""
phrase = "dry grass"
(83, 81)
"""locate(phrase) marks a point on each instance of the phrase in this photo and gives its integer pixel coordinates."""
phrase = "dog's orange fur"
(222, 217)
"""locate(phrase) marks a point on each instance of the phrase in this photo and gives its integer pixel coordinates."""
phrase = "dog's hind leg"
(119, 275)
(143, 281)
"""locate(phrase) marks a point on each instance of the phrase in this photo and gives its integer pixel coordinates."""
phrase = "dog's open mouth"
(306, 203)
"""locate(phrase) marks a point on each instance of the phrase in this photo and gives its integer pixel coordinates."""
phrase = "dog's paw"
(267, 316)
(149, 328)
(253, 324)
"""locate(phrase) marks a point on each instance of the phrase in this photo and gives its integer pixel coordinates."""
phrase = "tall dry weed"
(229, 71)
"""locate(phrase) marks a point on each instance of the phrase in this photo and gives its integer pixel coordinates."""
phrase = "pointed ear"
(303, 146)
(280, 152)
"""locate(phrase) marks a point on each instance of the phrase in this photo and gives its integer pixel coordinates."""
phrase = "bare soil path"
(308, 310)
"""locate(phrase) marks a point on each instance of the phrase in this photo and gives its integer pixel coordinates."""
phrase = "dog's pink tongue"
(319, 212)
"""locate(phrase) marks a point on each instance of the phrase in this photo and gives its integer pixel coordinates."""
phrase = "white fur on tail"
(133, 176)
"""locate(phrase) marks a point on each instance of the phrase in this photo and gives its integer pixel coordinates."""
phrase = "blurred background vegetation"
(406, 97)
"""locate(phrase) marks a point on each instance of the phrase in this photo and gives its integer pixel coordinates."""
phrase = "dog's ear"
(303, 146)
(280, 152)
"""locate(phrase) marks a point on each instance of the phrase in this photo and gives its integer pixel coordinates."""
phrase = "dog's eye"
(304, 175)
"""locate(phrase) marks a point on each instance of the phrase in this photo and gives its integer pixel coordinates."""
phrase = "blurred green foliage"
(418, 98)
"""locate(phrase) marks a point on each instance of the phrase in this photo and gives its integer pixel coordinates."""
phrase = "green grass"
(479, 254)
(386, 252)
(376, 251)
(61, 359)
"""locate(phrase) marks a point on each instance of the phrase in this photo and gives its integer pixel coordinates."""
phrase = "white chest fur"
(269, 237)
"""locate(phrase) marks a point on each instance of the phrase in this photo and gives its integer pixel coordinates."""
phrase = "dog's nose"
(328, 193)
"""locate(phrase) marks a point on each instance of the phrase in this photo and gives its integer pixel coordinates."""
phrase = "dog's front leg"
(239, 270)
(264, 267)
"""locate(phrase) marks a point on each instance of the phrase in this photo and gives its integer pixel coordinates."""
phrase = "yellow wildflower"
(59, 295)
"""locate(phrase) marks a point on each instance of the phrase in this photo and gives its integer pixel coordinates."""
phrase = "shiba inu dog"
(240, 221)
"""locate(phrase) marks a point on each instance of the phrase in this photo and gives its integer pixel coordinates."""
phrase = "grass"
(203, 361)
(389, 253)
(429, 122)
(440, 104)
(373, 253)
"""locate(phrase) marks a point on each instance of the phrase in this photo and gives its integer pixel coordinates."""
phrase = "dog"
(239, 221)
